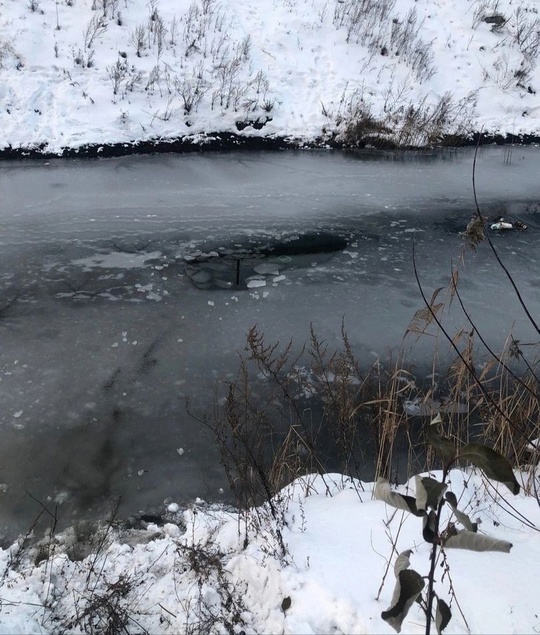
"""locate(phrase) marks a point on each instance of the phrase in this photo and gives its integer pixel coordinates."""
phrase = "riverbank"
(226, 141)
(93, 79)
(324, 563)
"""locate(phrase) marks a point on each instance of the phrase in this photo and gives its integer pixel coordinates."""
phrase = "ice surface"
(85, 409)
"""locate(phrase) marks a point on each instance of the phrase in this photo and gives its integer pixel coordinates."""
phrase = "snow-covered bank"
(84, 73)
(220, 141)
(205, 574)
(230, 142)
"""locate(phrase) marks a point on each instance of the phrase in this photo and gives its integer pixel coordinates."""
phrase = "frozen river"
(103, 333)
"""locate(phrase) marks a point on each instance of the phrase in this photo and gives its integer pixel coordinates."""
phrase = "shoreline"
(228, 141)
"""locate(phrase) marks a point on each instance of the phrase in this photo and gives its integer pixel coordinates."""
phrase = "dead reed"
(292, 412)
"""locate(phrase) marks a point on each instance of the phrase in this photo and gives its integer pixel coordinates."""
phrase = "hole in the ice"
(259, 263)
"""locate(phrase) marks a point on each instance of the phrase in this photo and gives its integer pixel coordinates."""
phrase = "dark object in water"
(309, 243)
(252, 265)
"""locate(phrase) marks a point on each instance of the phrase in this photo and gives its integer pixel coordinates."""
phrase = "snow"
(78, 72)
(209, 567)
(73, 73)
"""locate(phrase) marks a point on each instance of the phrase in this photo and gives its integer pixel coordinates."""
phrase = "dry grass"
(405, 124)
(290, 413)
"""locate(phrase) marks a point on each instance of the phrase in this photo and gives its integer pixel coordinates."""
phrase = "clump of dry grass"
(403, 123)
(288, 414)
(291, 412)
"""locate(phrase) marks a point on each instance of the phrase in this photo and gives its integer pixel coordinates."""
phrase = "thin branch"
(501, 502)
(466, 363)
(498, 258)
(498, 359)
(452, 589)
(433, 557)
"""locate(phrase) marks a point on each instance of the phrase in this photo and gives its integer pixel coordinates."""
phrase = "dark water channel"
(121, 295)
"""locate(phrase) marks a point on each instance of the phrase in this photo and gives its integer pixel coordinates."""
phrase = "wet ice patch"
(116, 260)
(429, 407)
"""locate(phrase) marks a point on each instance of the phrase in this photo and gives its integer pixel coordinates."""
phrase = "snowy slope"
(76, 72)
(199, 575)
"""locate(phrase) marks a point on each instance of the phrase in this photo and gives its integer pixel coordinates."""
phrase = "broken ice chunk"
(252, 284)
